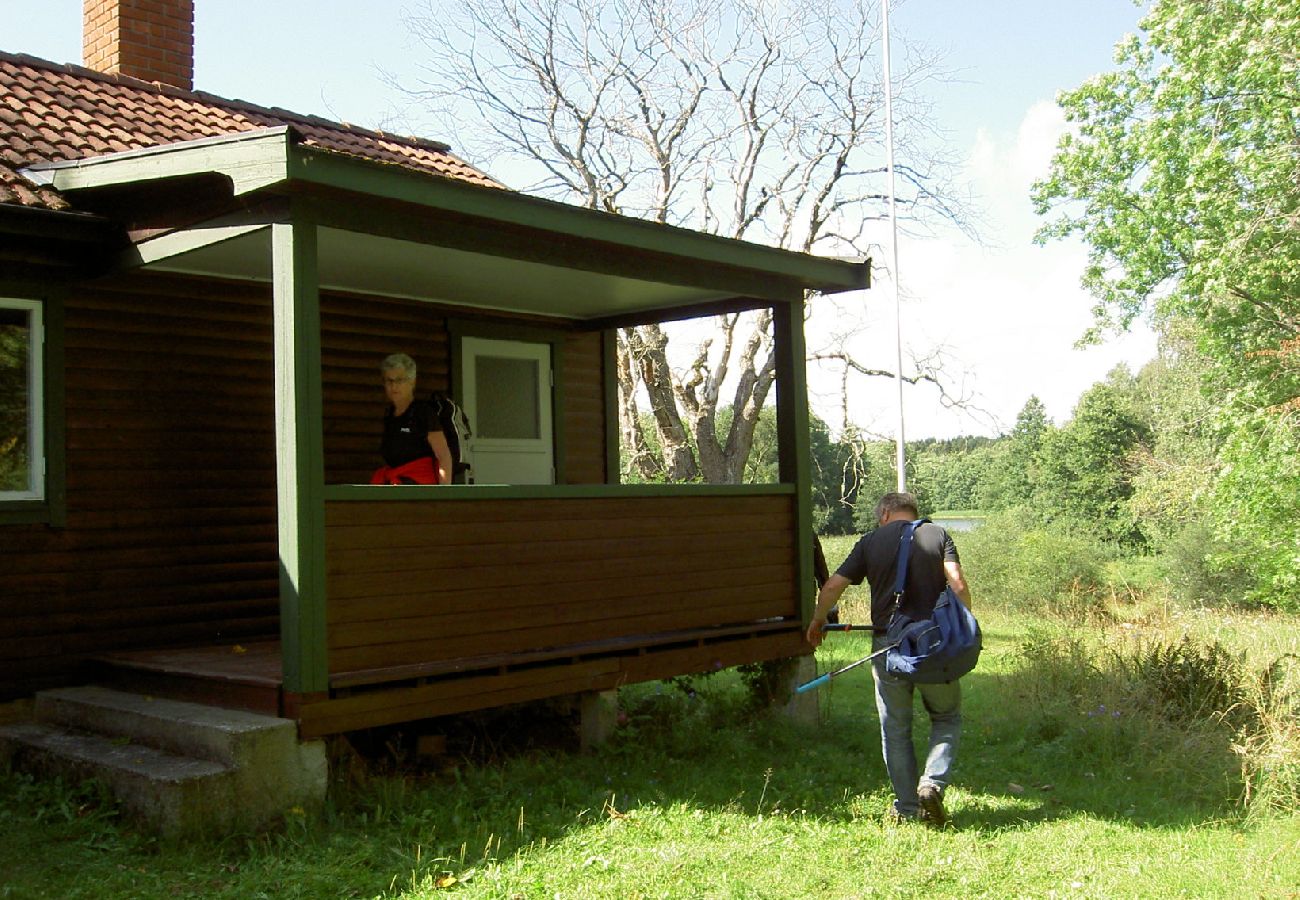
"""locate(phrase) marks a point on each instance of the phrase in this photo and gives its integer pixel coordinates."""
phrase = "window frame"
(47, 503)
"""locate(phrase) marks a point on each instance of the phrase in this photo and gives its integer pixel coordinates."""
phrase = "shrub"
(1197, 568)
(1270, 751)
(1016, 562)
(1193, 681)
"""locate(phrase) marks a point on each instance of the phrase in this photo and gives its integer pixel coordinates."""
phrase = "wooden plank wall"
(584, 409)
(170, 531)
(414, 582)
(356, 334)
(171, 526)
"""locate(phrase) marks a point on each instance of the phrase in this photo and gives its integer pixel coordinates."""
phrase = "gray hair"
(399, 361)
(893, 502)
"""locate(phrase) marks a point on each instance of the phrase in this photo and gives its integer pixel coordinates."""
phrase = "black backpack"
(455, 427)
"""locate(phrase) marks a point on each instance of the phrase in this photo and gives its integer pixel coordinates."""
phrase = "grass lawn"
(1065, 787)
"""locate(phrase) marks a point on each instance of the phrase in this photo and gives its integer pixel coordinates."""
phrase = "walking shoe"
(894, 817)
(931, 800)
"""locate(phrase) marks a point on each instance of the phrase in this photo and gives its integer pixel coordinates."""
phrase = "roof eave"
(273, 160)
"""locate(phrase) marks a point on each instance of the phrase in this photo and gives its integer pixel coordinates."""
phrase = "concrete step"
(230, 736)
(183, 768)
(178, 795)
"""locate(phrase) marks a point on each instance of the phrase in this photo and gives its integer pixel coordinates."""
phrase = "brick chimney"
(148, 39)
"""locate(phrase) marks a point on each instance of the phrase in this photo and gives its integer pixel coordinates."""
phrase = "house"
(194, 296)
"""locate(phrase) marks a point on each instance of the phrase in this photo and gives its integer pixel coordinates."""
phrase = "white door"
(507, 397)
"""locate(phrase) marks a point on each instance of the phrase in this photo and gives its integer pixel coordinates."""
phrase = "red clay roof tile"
(51, 112)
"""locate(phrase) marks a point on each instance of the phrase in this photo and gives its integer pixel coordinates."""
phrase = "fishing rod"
(825, 679)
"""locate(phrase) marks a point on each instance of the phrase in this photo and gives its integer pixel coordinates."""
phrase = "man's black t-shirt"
(406, 437)
(875, 556)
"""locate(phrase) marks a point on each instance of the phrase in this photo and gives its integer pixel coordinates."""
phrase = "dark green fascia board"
(334, 170)
(252, 160)
(273, 158)
(236, 223)
(365, 214)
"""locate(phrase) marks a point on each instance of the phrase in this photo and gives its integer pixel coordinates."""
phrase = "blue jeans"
(894, 702)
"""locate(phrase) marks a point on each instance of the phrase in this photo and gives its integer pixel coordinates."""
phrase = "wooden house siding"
(170, 533)
(582, 376)
(170, 523)
(430, 582)
(356, 334)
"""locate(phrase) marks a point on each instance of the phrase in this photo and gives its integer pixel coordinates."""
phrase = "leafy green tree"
(1170, 490)
(1181, 179)
(834, 481)
(877, 475)
(1011, 467)
(1182, 176)
(1085, 469)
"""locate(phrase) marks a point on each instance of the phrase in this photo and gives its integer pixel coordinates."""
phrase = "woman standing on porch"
(414, 448)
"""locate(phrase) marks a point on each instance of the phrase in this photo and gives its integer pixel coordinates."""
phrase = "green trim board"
(250, 159)
(315, 166)
(300, 466)
(205, 234)
(793, 450)
(530, 255)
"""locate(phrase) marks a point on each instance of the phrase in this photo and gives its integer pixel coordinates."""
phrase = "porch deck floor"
(236, 676)
(256, 664)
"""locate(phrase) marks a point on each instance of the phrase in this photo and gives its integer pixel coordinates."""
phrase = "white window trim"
(36, 401)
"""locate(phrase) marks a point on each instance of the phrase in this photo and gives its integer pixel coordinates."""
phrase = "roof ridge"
(216, 100)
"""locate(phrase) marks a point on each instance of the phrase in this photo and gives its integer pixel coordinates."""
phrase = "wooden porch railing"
(433, 581)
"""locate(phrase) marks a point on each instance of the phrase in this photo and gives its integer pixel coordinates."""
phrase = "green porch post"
(299, 453)
(792, 436)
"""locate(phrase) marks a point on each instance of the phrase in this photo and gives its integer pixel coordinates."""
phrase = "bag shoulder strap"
(904, 554)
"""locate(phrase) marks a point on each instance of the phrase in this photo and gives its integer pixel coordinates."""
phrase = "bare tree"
(754, 119)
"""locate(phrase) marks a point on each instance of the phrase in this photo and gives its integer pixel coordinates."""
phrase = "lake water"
(958, 523)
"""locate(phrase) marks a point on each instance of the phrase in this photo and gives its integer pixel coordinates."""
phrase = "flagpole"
(900, 460)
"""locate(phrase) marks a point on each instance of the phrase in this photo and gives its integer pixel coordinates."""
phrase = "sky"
(1005, 313)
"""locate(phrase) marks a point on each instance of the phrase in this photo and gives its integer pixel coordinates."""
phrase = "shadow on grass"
(512, 781)
(700, 744)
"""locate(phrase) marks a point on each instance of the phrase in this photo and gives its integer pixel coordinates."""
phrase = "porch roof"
(385, 229)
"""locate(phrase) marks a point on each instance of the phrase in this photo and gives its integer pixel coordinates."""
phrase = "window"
(22, 419)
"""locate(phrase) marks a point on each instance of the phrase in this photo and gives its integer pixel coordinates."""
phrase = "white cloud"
(1008, 313)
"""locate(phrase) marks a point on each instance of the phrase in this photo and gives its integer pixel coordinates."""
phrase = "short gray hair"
(398, 361)
(893, 502)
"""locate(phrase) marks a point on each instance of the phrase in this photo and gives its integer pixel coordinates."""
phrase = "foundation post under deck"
(597, 718)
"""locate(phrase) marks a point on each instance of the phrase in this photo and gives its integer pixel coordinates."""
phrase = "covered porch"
(402, 603)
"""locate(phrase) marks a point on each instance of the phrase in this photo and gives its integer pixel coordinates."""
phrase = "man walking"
(933, 565)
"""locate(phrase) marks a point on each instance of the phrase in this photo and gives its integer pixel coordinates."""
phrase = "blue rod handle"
(810, 685)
